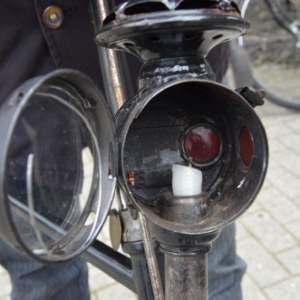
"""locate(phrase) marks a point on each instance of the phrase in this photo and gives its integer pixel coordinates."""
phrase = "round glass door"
(58, 168)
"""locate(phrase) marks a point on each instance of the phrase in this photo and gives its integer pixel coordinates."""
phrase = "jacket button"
(53, 17)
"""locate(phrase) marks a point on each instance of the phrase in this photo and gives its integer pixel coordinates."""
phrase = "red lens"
(202, 144)
(246, 146)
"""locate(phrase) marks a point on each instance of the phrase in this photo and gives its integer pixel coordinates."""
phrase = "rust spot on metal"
(131, 178)
(216, 7)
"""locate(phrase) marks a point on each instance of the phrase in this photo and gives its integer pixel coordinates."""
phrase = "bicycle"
(272, 44)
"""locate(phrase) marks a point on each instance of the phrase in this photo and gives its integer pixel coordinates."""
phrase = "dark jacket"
(29, 48)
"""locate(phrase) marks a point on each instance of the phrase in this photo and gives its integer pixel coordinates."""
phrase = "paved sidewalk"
(268, 233)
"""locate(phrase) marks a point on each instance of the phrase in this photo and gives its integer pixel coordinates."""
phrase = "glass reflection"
(50, 170)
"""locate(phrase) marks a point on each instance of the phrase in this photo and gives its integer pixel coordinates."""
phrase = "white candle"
(186, 181)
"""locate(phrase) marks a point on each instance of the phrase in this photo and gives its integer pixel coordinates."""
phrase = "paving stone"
(251, 291)
(287, 290)
(104, 235)
(294, 124)
(261, 265)
(267, 183)
(276, 145)
(94, 296)
(5, 286)
(294, 229)
(255, 207)
(270, 113)
(277, 131)
(291, 260)
(289, 160)
(292, 141)
(241, 232)
(2, 270)
(273, 169)
(270, 234)
(283, 180)
(98, 279)
(273, 115)
(278, 205)
(87, 157)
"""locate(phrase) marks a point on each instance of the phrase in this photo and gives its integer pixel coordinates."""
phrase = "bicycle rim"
(285, 12)
(274, 53)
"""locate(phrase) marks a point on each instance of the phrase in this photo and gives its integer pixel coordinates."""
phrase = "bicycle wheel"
(273, 46)
(286, 13)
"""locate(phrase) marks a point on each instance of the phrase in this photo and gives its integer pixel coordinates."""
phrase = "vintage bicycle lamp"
(53, 207)
(182, 117)
(193, 153)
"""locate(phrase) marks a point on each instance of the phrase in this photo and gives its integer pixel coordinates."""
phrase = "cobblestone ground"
(269, 232)
(268, 235)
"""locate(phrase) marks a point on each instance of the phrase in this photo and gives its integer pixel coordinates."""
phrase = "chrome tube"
(151, 260)
(113, 82)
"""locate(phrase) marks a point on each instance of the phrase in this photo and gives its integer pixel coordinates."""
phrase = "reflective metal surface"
(166, 29)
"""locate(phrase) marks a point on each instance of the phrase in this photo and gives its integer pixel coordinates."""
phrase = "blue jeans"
(225, 267)
(32, 281)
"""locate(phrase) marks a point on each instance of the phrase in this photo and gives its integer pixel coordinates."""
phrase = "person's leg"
(33, 281)
(225, 268)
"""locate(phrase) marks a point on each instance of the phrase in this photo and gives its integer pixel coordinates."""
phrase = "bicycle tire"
(274, 70)
(284, 12)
